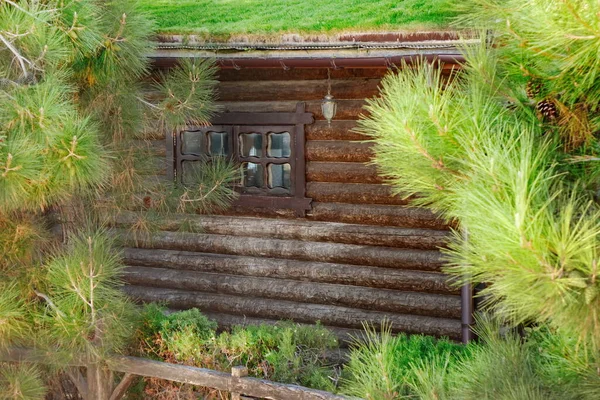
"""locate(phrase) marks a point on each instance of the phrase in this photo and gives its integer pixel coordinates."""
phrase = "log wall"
(361, 253)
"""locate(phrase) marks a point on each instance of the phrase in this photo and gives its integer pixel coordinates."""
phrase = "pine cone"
(548, 109)
(534, 88)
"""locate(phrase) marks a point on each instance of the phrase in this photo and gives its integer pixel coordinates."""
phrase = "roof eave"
(325, 57)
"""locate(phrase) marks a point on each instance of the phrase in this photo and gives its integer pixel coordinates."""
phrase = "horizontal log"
(297, 90)
(299, 312)
(375, 214)
(425, 260)
(344, 274)
(435, 305)
(314, 231)
(280, 118)
(303, 74)
(152, 182)
(343, 172)
(291, 74)
(239, 210)
(338, 151)
(355, 193)
(152, 131)
(183, 374)
(216, 380)
(337, 130)
(346, 109)
(149, 147)
(151, 165)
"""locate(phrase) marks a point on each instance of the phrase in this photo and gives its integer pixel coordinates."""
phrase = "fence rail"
(236, 382)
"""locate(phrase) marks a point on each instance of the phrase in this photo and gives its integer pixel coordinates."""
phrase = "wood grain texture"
(294, 90)
(346, 109)
(425, 260)
(301, 312)
(337, 130)
(338, 151)
(342, 172)
(374, 214)
(217, 380)
(315, 231)
(305, 292)
(355, 193)
(299, 74)
(307, 271)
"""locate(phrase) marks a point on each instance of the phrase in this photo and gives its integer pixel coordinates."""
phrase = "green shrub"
(21, 382)
(541, 364)
(182, 336)
(428, 379)
(286, 352)
(566, 362)
(503, 367)
(382, 366)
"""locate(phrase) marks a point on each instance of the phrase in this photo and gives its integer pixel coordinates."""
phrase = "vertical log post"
(467, 320)
(238, 372)
(98, 382)
(99, 376)
(466, 300)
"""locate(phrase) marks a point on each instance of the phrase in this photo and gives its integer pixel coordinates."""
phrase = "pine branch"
(21, 60)
(435, 163)
(15, 5)
(50, 303)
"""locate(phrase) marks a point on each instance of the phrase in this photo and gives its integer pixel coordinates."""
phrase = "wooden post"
(238, 372)
(97, 380)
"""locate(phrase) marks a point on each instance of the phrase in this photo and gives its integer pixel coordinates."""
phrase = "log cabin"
(316, 234)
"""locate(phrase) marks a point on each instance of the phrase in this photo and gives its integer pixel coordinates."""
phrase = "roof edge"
(301, 38)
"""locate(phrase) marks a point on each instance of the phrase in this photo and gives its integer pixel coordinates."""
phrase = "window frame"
(235, 123)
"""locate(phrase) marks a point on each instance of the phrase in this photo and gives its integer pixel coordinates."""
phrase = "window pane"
(252, 175)
(279, 176)
(193, 142)
(218, 144)
(279, 145)
(191, 172)
(251, 145)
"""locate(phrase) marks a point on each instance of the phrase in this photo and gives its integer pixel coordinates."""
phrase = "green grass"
(222, 18)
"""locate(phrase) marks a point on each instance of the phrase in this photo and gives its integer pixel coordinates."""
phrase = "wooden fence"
(237, 382)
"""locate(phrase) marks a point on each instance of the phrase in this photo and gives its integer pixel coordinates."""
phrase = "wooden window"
(268, 147)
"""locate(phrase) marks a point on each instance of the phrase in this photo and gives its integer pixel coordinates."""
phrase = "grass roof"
(224, 18)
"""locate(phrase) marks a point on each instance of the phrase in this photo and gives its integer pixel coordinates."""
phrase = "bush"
(503, 367)
(542, 364)
(286, 352)
(177, 337)
(545, 363)
(383, 366)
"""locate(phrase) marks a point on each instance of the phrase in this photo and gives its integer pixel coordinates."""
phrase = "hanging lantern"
(328, 105)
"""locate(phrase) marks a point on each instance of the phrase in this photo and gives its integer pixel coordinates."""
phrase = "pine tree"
(522, 181)
(71, 105)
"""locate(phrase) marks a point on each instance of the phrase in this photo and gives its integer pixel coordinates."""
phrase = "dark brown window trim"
(297, 199)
